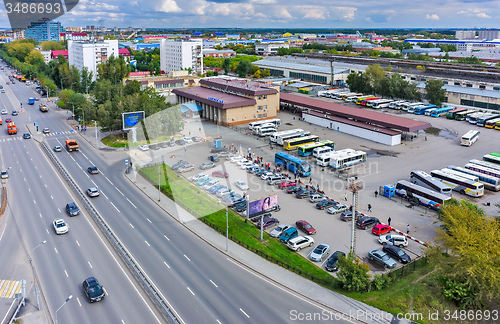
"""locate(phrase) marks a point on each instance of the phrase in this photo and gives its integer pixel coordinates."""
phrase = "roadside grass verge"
(117, 140)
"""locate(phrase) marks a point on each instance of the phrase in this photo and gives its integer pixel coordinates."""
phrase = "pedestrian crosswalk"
(9, 288)
(52, 134)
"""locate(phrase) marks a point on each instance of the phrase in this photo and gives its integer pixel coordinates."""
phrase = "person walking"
(376, 193)
(369, 208)
(310, 180)
(408, 229)
(345, 196)
(389, 221)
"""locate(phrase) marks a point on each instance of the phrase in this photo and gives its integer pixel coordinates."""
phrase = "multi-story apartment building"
(44, 30)
(177, 54)
(91, 53)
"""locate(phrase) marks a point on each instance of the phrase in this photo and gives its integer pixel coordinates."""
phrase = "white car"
(300, 242)
(211, 183)
(253, 165)
(394, 239)
(60, 226)
(316, 198)
(223, 192)
(241, 184)
(338, 208)
(4, 112)
(266, 175)
(4, 175)
(246, 165)
(232, 156)
(276, 232)
(236, 158)
(198, 176)
(187, 140)
(92, 192)
(144, 147)
(243, 161)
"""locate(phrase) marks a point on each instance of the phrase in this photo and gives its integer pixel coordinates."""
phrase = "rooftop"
(272, 63)
(238, 86)
(214, 97)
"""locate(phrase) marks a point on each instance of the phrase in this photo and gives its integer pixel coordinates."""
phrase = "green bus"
(452, 114)
(462, 115)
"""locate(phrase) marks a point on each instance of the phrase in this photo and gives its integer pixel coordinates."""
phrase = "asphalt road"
(200, 283)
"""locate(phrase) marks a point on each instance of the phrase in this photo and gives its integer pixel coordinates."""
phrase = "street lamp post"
(67, 300)
(217, 121)
(33, 270)
(159, 181)
(95, 126)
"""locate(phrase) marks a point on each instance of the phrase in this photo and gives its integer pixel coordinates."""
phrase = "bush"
(353, 274)
(380, 282)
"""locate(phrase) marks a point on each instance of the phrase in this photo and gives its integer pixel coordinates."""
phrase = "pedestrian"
(199, 129)
(389, 221)
(376, 193)
(189, 133)
(345, 196)
(310, 180)
(369, 207)
(408, 229)
(426, 138)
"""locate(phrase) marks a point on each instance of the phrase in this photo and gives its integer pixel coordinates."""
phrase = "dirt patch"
(422, 277)
(432, 130)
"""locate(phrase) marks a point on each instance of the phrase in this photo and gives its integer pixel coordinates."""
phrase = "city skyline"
(280, 14)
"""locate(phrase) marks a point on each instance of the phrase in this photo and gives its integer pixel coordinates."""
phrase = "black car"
(26, 136)
(237, 202)
(93, 170)
(325, 204)
(347, 215)
(218, 150)
(179, 164)
(257, 218)
(180, 142)
(164, 144)
(72, 209)
(154, 146)
(93, 290)
(331, 264)
(214, 158)
(303, 193)
(367, 222)
(294, 189)
(396, 253)
(240, 207)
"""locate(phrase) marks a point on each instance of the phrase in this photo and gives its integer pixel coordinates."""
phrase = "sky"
(282, 14)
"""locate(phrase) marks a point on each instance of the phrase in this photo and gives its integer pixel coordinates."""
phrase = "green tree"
(257, 74)
(51, 46)
(33, 56)
(20, 50)
(226, 64)
(353, 274)
(436, 94)
(242, 68)
(265, 73)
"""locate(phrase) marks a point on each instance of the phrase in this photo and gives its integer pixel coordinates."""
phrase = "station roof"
(270, 63)
(357, 114)
(214, 98)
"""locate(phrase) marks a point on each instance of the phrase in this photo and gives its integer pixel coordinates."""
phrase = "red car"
(286, 184)
(8, 120)
(305, 226)
(381, 229)
(220, 174)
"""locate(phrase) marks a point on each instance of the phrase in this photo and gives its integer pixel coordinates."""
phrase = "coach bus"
(472, 118)
(453, 113)
(439, 111)
(424, 179)
(365, 102)
(340, 161)
(463, 115)
(486, 164)
(292, 144)
(275, 121)
(359, 99)
(490, 177)
(281, 138)
(492, 158)
(426, 197)
(266, 131)
(420, 110)
(481, 121)
(460, 183)
(293, 164)
(492, 122)
(317, 148)
(382, 103)
(324, 159)
(469, 138)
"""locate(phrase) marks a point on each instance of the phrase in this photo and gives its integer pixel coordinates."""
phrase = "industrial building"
(179, 54)
(267, 49)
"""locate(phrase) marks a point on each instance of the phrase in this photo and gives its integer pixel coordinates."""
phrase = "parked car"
(303, 194)
(276, 232)
(218, 149)
(207, 165)
(332, 263)
(286, 184)
(220, 174)
(196, 139)
(237, 158)
(266, 175)
(260, 172)
(215, 188)
(143, 147)
(203, 181)
(316, 198)
(325, 204)
(222, 154)
(180, 142)
(288, 234)
(241, 206)
(367, 222)
(164, 144)
(394, 239)
(338, 208)
(220, 192)
(179, 164)
(154, 146)
(253, 169)
(294, 189)
(235, 201)
(241, 184)
(198, 176)
(305, 226)
(276, 179)
(185, 168)
(211, 183)
(230, 194)
(300, 242)
(187, 140)
(381, 229)
(268, 222)
(347, 215)
(246, 165)
(396, 253)
(214, 158)
(381, 258)
(319, 252)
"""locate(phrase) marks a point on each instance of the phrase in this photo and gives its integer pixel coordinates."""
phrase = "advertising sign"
(262, 205)
(131, 119)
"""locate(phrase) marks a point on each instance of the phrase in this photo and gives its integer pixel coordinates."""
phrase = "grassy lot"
(415, 292)
(118, 141)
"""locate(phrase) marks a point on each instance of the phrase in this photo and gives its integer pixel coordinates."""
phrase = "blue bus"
(293, 164)
(441, 111)
(420, 110)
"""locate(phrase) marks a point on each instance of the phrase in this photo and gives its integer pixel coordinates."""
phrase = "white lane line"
(72, 158)
(214, 283)
(77, 243)
(55, 249)
(90, 265)
(66, 273)
(47, 231)
(36, 167)
(51, 197)
(40, 215)
(120, 191)
(29, 189)
(148, 220)
(114, 205)
(186, 257)
(166, 237)
(244, 313)
(218, 321)
(104, 195)
(84, 155)
(166, 264)
(147, 243)
(131, 225)
(46, 186)
(131, 203)
(78, 300)
(78, 165)
(24, 179)
(58, 210)
(34, 201)
(105, 291)
(123, 321)
(87, 175)
(40, 176)
(3, 231)
(192, 291)
(101, 173)
(109, 181)
(94, 183)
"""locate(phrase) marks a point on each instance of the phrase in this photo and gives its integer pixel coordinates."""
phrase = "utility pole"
(354, 185)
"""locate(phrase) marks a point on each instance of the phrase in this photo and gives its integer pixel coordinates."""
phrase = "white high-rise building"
(489, 34)
(177, 54)
(465, 34)
(91, 53)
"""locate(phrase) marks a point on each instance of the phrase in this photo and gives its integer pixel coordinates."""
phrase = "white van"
(397, 240)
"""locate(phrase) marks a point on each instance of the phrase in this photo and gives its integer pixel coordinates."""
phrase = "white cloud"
(168, 6)
(474, 13)
(432, 17)
(282, 12)
(343, 13)
(311, 12)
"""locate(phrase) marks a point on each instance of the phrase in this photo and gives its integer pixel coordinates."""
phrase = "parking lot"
(385, 165)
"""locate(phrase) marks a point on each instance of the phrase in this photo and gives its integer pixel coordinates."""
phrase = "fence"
(408, 268)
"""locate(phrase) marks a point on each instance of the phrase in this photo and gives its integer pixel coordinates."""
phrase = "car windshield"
(61, 224)
(319, 249)
(308, 226)
(400, 252)
(385, 257)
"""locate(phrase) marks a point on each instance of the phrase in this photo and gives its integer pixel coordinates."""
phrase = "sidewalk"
(329, 299)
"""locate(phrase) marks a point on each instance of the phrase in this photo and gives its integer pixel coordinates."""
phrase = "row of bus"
(434, 189)
(488, 120)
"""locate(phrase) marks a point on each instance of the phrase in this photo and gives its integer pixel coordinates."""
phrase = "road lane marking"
(72, 158)
(244, 313)
(84, 155)
(148, 220)
(34, 201)
(24, 179)
(131, 225)
(104, 195)
(66, 273)
(166, 264)
(78, 165)
(40, 215)
(40, 176)
(105, 291)
(90, 265)
(78, 300)
(123, 321)
(214, 283)
(29, 189)
(36, 167)
(109, 181)
(192, 291)
(46, 186)
(120, 191)
(147, 243)
(131, 203)
(186, 257)
(55, 249)
(94, 183)
(57, 209)
(87, 175)
(218, 321)
(166, 237)
(52, 198)
(48, 233)
(77, 243)
(114, 205)
(3, 231)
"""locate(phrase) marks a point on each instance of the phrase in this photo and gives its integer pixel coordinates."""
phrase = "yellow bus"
(497, 125)
(360, 99)
(293, 143)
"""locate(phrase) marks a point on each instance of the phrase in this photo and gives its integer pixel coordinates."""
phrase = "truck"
(11, 128)
(31, 101)
(44, 108)
(71, 145)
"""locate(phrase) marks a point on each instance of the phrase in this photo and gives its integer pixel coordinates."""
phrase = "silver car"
(319, 252)
(60, 226)
(338, 208)
(276, 232)
(381, 258)
(316, 198)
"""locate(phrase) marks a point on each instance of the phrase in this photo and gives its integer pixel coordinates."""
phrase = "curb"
(238, 261)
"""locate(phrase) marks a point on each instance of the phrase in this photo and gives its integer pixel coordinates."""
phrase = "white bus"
(469, 138)
(266, 131)
(381, 103)
(324, 159)
(492, 158)
(424, 179)
(275, 121)
(472, 118)
(459, 174)
(425, 196)
(395, 104)
(485, 164)
(322, 150)
(490, 177)
(408, 105)
(287, 132)
(348, 159)
(281, 138)
(460, 183)
(255, 129)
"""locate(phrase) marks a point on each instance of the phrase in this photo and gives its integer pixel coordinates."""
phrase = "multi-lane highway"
(201, 284)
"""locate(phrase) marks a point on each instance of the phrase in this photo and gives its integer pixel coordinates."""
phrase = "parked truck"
(44, 108)
(71, 145)
(31, 101)
(11, 128)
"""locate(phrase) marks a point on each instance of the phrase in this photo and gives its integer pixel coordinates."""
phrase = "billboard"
(262, 205)
(131, 119)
